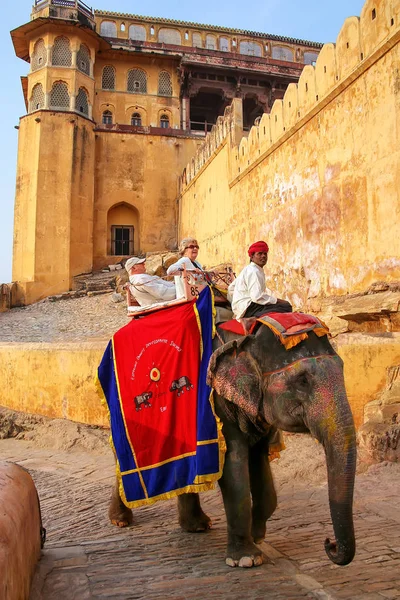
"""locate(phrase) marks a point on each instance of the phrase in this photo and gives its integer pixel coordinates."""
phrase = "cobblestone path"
(86, 558)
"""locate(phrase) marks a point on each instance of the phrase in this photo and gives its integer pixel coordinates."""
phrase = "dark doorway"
(252, 109)
(122, 240)
(205, 108)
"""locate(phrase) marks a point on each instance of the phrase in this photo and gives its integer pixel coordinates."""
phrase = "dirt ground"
(85, 558)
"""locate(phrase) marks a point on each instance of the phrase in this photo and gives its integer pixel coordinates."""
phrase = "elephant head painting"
(260, 387)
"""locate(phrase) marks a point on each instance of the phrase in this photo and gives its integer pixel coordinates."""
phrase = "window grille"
(62, 55)
(224, 44)
(210, 42)
(59, 96)
(137, 32)
(37, 98)
(122, 237)
(108, 29)
(82, 102)
(281, 53)
(39, 55)
(196, 40)
(169, 36)
(310, 58)
(250, 48)
(164, 84)
(108, 78)
(136, 120)
(164, 121)
(107, 117)
(137, 81)
(83, 59)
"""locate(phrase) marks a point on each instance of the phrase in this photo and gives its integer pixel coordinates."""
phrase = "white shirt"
(249, 287)
(180, 263)
(149, 289)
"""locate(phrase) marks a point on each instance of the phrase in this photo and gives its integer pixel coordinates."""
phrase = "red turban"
(258, 247)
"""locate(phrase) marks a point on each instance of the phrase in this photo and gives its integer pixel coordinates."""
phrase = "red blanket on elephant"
(164, 431)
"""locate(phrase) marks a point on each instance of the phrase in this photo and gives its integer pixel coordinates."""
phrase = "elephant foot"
(121, 517)
(121, 522)
(191, 516)
(195, 523)
(246, 556)
(118, 513)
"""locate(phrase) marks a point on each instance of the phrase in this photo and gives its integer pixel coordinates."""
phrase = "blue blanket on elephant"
(165, 435)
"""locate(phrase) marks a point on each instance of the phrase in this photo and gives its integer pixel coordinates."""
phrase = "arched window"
(137, 32)
(61, 55)
(250, 48)
(39, 55)
(211, 42)
(122, 26)
(83, 59)
(164, 84)
(224, 44)
(108, 29)
(107, 117)
(59, 96)
(37, 98)
(108, 78)
(82, 102)
(169, 36)
(282, 53)
(310, 58)
(137, 82)
(136, 120)
(196, 40)
(164, 121)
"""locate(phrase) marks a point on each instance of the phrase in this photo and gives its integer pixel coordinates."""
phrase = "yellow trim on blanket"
(196, 312)
(221, 440)
(206, 442)
(214, 313)
(190, 489)
(126, 428)
(160, 464)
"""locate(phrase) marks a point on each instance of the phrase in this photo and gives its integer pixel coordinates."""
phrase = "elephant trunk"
(335, 430)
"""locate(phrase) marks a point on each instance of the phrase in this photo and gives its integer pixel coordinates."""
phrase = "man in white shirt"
(249, 294)
(148, 289)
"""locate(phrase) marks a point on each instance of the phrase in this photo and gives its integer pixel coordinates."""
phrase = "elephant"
(259, 388)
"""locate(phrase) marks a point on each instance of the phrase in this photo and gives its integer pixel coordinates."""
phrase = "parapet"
(375, 31)
(71, 10)
(359, 40)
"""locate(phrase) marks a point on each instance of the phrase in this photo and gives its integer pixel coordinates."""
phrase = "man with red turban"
(249, 294)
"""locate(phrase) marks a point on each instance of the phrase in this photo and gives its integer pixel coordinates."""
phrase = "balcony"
(71, 10)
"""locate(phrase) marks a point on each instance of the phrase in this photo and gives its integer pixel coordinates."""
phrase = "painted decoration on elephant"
(164, 431)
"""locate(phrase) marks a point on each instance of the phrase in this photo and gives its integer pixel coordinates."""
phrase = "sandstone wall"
(318, 177)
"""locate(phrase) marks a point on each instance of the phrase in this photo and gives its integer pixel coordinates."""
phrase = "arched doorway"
(122, 230)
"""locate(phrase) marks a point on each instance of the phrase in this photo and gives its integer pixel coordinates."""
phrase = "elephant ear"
(234, 374)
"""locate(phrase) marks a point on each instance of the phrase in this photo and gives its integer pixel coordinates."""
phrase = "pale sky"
(314, 20)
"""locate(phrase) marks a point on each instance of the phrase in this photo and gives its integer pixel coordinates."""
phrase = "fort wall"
(318, 177)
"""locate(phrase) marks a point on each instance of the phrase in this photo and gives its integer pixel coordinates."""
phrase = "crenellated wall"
(318, 177)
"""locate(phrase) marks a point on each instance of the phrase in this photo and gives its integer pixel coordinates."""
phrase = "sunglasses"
(191, 247)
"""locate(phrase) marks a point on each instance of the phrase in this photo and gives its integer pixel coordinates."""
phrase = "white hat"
(131, 262)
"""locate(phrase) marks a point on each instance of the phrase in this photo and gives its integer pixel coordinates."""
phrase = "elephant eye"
(302, 382)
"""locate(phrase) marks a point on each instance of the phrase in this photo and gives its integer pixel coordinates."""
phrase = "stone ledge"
(20, 539)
